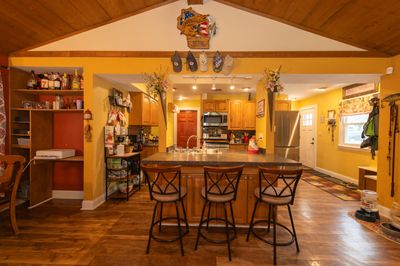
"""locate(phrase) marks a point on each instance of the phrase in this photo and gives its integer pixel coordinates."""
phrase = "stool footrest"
(217, 241)
(270, 242)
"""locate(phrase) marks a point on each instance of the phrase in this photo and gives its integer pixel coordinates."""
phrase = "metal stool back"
(220, 187)
(276, 187)
(165, 186)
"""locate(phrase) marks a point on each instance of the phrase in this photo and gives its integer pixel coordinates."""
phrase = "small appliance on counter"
(54, 154)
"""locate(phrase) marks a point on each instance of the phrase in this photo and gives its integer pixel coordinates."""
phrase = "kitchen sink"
(197, 151)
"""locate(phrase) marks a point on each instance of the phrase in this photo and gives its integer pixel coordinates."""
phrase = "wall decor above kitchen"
(198, 28)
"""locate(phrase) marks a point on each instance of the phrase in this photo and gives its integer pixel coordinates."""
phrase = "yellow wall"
(330, 156)
(102, 89)
(93, 180)
(389, 84)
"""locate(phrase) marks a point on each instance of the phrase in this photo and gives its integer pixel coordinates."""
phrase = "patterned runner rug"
(330, 184)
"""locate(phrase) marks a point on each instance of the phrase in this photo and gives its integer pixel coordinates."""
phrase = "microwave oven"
(213, 119)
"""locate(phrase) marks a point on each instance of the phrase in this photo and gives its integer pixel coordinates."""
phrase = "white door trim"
(315, 107)
(198, 123)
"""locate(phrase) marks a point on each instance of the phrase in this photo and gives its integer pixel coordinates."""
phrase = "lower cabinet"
(193, 179)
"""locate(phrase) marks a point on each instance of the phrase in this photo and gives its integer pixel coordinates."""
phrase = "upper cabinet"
(282, 105)
(242, 115)
(144, 111)
(220, 106)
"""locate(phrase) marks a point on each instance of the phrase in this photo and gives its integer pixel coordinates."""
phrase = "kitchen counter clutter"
(193, 178)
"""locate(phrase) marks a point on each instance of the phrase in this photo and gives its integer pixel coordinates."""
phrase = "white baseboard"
(67, 194)
(89, 205)
(337, 175)
(384, 211)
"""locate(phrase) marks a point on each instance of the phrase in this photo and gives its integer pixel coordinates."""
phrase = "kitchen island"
(193, 178)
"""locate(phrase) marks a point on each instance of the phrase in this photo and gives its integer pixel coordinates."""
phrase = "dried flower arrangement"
(156, 83)
(272, 80)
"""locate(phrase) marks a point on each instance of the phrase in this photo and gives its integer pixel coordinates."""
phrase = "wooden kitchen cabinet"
(235, 115)
(220, 106)
(148, 150)
(249, 115)
(282, 105)
(242, 115)
(144, 110)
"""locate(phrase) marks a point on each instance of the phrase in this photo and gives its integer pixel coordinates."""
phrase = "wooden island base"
(193, 179)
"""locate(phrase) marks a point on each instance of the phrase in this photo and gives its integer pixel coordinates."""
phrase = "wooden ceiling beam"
(195, 2)
(210, 54)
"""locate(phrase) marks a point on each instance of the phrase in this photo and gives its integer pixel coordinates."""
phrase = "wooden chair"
(13, 167)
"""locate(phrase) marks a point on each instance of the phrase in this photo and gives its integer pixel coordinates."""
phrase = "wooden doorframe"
(315, 107)
(198, 124)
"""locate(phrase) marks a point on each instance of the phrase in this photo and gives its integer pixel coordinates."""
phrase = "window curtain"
(357, 105)
(2, 119)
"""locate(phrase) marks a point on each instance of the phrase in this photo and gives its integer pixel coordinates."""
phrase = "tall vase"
(163, 100)
(270, 95)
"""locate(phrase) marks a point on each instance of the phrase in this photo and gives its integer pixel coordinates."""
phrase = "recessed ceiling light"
(180, 98)
(232, 87)
(321, 89)
(246, 89)
(194, 87)
(173, 89)
(213, 87)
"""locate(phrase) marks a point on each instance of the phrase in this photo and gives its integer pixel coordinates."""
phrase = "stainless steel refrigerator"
(287, 134)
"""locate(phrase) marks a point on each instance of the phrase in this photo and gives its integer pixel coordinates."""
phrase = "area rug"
(376, 227)
(331, 185)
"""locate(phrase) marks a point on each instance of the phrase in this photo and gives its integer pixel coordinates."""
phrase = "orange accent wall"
(68, 134)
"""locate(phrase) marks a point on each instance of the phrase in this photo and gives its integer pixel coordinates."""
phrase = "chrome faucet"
(187, 142)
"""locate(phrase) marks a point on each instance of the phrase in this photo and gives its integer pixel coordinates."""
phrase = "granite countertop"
(224, 159)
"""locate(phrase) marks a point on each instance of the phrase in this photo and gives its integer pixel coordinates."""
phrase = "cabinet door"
(221, 106)
(154, 112)
(146, 110)
(282, 105)
(235, 114)
(195, 201)
(249, 116)
(240, 204)
(208, 106)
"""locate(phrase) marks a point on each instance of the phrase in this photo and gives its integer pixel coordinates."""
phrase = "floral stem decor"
(157, 86)
(272, 85)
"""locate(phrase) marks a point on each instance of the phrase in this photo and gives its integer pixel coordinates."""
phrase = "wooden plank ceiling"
(371, 25)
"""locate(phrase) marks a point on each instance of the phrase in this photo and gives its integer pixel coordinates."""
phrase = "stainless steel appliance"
(287, 134)
(213, 119)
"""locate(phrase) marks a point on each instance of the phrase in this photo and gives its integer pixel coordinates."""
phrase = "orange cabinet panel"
(235, 114)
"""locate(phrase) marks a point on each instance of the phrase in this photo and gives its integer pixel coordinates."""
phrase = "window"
(307, 119)
(351, 129)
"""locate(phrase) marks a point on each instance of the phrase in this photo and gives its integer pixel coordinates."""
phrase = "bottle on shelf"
(81, 82)
(32, 82)
(44, 82)
(51, 81)
(76, 84)
(57, 81)
(65, 82)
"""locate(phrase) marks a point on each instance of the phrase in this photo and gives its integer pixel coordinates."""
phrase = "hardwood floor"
(116, 233)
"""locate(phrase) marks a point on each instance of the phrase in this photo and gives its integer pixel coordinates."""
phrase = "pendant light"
(194, 87)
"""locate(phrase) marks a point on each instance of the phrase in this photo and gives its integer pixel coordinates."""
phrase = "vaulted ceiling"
(371, 25)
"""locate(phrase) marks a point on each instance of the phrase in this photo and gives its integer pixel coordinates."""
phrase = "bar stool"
(165, 187)
(277, 187)
(221, 185)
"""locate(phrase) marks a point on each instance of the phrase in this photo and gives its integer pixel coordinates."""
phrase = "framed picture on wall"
(261, 108)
